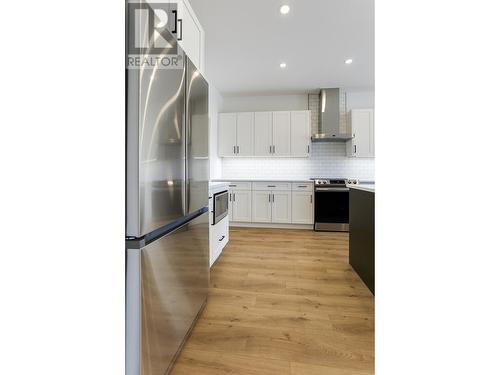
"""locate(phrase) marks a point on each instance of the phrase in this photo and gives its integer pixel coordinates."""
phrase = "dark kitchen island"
(362, 233)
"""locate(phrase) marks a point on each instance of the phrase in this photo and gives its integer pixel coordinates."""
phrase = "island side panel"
(362, 235)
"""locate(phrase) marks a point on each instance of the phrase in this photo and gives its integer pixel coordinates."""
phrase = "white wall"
(357, 99)
(326, 160)
(215, 103)
(264, 103)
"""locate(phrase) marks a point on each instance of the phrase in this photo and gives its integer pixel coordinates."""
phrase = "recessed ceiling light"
(284, 9)
(283, 65)
(348, 61)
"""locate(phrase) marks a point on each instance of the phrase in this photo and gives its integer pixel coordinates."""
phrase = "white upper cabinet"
(300, 125)
(281, 133)
(236, 134)
(265, 134)
(191, 35)
(362, 128)
(244, 134)
(227, 134)
(263, 138)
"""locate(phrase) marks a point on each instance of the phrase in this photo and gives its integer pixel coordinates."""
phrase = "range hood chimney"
(331, 112)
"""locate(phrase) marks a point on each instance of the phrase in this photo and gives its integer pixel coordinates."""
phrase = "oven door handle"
(331, 189)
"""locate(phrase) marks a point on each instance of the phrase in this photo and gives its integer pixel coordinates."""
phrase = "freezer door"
(197, 125)
(167, 285)
(155, 149)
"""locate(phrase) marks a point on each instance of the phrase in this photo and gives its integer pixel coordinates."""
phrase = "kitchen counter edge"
(260, 180)
(365, 187)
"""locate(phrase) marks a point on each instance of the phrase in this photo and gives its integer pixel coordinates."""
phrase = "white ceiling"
(246, 40)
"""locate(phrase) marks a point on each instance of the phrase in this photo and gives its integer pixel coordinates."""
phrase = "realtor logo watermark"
(153, 33)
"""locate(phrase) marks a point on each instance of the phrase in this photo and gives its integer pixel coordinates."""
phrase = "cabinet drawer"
(240, 186)
(302, 186)
(221, 232)
(219, 237)
(271, 185)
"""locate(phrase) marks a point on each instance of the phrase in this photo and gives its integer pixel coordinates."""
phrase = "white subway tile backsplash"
(326, 160)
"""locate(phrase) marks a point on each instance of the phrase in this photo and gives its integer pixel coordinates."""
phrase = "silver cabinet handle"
(302, 186)
(220, 239)
(274, 149)
(355, 149)
(237, 149)
(232, 185)
(234, 149)
(234, 197)
(271, 185)
(308, 149)
(273, 198)
(269, 196)
(270, 149)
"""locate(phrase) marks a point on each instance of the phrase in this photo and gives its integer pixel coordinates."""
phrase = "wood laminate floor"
(283, 302)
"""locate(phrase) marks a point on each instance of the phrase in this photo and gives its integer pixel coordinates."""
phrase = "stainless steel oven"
(331, 205)
(221, 206)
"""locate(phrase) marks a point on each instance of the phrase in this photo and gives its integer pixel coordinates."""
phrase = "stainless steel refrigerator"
(167, 228)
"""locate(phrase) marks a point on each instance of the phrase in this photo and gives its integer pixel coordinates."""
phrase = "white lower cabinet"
(270, 206)
(261, 207)
(302, 207)
(281, 206)
(271, 202)
(241, 202)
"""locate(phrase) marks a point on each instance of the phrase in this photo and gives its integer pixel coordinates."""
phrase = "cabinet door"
(263, 133)
(363, 133)
(227, 134)
(282, 206)
(281, 133)
(242, 205)
(300, 133)
(190, 33)
(261, 207)
(302, 207)
(244, 134)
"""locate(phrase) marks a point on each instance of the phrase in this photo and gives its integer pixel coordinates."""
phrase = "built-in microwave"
(221, 206)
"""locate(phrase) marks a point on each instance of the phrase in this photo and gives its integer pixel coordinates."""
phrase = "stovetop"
(334, 181)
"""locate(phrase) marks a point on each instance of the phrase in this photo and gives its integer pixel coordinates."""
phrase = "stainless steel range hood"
(330, 113)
